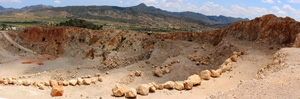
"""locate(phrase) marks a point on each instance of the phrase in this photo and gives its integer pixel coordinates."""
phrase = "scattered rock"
(205, 75)
(35, 84)
(26, 82)
(57, 91)
(138, 73)
(9, 80)
(155, 85)
(19, 82)
(107, 72)
(215, 73)
(158, 72)
(41, 86)
(167, 70)
(188, 84)
(119, 90)
(227, 61)
(5, 82)
(93, 80)
(131, 93)
(234, 58)
(79, 81)
(169, 85)
(160, 87)
(47, 83)
(195, 79)
(100, 79)
(53, 83)
(97, 74)
(87, 81)
(152, 88)
(1, 80)
(143, 89)
(60, 83)
(179, 85)
(65, 83)
(14, 82)
(73, 82)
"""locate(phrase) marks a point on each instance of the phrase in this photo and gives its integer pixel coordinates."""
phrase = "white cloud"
(121, 1)
(57, 1)
(294, 1)
(278, 1)
(17, 1)
(267, 1)
(279, 12)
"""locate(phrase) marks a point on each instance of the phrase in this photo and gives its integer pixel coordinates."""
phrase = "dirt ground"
(64, 68)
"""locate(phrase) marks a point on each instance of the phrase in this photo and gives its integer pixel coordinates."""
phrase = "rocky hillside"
(110, 45)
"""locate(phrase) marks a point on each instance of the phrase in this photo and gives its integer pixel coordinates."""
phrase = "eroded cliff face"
(129, 47)
(268, 29)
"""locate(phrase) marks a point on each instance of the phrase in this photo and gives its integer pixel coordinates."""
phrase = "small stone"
(227, 61)
(93, 80)
(53, 83)
(155, 85)
(188, 85)
(79, 81)
(138, 73)
(57, 91)
(169, 85)
(179, 85)
(158, 72)
(47, 83)
(97, 74)
(87, 81)
(152, 88)
(195, 79)
(119, 90)
(65, 83)
(205, 75)
(100, 79)
(60, 83)
(26, 82)
(143, 89)
(9, 80)
(41, 86)
(24, 76)
(1, 80)
(5, 82)
(167, 70)
(107, 72)
(19, 82)
(131, 93)
(14, 82)
(35, 84)
(73, 82)
(160, 87)
(234, 58)
(237, 53)
(214, 73)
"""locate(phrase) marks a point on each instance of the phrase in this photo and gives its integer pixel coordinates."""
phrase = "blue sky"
(235, 8)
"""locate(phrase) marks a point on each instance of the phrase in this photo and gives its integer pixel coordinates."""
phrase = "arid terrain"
(262, 57)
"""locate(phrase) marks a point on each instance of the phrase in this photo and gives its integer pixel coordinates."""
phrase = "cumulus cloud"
(267, 1)
(294, 1)
(17, 1)
(121, 1)
(57, 1)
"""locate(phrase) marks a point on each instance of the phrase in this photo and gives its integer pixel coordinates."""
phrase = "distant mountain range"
(199, 16)
(134, 9)
(40, 6)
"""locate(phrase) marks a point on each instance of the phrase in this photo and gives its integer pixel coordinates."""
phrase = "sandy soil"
(68, 68)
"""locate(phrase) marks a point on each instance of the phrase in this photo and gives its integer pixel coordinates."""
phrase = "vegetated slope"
(211, 19)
